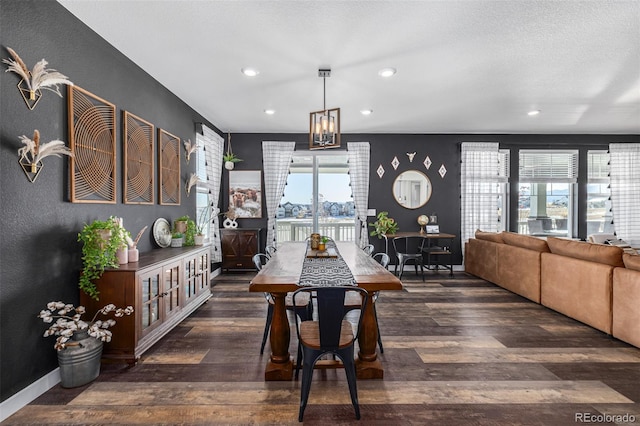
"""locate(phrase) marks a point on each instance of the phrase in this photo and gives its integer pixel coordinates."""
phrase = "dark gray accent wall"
(40, 256)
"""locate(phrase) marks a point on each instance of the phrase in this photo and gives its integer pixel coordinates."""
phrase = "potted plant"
(229, 160)
(180, 224)
(79, 343)
(190, 233)
(322, 245)
(203, 219)
(100, 242)
(383, 226)
(176, 239)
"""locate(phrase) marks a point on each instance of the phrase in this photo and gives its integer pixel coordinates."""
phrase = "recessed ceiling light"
(366, 111)
(269, 111)
(386, 72)
(250, 72)
(534, 112)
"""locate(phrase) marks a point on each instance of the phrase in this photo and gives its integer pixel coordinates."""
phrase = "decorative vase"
(321, 247)
(198, 240)
(181, 226)
(315, 240)
(176, 242)
(230, 223)
(122, 254)
(134, 255)
(80, 360)
(229, 165)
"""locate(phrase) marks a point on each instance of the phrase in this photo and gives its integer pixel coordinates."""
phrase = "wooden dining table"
(281, 275)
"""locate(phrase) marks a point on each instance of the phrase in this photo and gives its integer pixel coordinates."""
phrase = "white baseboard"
(28, 394)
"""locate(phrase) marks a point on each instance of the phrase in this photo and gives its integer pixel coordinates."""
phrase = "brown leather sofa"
(592, 283)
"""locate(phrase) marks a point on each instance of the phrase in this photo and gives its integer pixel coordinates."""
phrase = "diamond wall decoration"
(442, 171)
(395, 163)
(380, 171)
(427, 162)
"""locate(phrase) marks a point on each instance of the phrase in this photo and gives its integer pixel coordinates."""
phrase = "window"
(598, 193)
(546, 192)
(317, 182)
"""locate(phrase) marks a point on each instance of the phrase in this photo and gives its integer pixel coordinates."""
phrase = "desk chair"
(409, 249)
(304, 309)
(330, 334)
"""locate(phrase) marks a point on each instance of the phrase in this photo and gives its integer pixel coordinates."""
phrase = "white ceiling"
(463, 66)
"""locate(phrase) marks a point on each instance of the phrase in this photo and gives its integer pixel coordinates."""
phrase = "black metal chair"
(409, 249)
(304, 309)
(330, 334)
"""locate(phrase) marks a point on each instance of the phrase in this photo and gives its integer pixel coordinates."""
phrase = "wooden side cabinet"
(164, 287)
(239, 245)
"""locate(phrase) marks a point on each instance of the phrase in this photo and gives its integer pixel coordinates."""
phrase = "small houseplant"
(79, 343)
(229, 160)
(100, 242)
(176, 239)
(383, 225)
(203, 219)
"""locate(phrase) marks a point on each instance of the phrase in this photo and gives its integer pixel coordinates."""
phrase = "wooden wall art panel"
(138, 160)
(169, 153)
(92, 140)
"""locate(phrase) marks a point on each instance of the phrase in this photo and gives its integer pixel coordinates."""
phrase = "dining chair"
(329, 334)
(368, 249)
(270, 251)
(409, 249)
(304, 309)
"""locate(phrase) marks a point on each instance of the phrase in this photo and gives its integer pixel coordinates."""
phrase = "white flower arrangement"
(69, 320)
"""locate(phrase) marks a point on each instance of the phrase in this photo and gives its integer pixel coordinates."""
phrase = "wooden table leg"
(368, 366)
(280, 366)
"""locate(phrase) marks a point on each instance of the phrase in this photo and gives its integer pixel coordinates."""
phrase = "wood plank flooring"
(458, 351)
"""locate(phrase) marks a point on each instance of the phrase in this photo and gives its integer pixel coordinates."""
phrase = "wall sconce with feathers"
(38, 78)
(190, 148)
(32, 153)
(193, 179)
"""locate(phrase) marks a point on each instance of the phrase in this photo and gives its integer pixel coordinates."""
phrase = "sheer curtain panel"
(276, 159)
(213, 145)
(625, 190)
(359, 153)
(482, 173)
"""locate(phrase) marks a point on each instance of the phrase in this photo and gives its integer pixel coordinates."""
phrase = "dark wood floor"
(458, 351)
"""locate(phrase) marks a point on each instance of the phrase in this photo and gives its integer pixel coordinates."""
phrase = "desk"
(430, 249)
(280, 275)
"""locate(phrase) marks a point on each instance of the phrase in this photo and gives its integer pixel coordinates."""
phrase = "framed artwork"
(245, 193)
(92, 139)
(169, 154)
(138, 159)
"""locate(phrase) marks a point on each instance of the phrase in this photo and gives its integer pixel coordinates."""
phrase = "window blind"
(598, 166)
(548, 166)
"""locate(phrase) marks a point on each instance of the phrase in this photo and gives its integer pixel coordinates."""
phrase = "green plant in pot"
(100, 241)
(177, 239)
(383, 225)
(180, 224)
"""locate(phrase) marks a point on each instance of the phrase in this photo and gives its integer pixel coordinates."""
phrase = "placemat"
(328, 272)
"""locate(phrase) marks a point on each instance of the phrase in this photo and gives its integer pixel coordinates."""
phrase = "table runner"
(326, 272)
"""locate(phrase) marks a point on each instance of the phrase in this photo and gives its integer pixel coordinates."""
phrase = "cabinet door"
(203, 276)
(151, 298)
(190, 277)
(171, 288)
(238, 248)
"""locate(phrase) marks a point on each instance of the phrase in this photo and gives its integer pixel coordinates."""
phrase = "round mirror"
(412, 189)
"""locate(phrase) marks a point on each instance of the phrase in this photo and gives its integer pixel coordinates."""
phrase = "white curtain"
(213, 145)
(625, 190)
(480, 188)
(276, 159)
(359, 153)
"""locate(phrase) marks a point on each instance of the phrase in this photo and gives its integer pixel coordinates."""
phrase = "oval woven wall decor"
(138, 160)
(169, 153)
(92, 140)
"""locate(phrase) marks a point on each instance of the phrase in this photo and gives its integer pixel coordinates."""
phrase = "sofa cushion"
(489, 236)
(631, 261)
(599, 253)
(525, 241)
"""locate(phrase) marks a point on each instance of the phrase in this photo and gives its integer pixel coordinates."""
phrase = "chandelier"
(324, 126)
